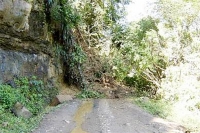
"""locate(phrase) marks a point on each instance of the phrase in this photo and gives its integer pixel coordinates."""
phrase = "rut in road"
(104, 116)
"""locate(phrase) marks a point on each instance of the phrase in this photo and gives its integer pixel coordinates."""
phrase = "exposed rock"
(145, 99)
(26, 46)
(22, 64)
(20, 111)
(60, 99)
(5, 124)
(8, 42)
(15, 13)
(11, 83)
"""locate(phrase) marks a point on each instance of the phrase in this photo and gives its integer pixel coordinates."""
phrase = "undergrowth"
(89, 94)
(67, 49)
(19, 125)
(156, 107)
(32, 94)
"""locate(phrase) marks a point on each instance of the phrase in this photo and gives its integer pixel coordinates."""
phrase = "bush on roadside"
(31, 92)
(139, 62)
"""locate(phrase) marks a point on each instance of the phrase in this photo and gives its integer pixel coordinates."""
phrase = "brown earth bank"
(104, 116)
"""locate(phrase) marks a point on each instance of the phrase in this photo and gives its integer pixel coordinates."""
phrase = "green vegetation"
(156, 56)
(89, 94)
(159, 108)
(13, 124)
(63, 19)
(78, 24)
(173, 70)
(32, 93)
(138, 61)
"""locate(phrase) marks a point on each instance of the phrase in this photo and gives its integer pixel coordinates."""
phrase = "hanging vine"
(63, 19)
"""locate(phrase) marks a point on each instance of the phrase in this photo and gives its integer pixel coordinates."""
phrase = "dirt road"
(104, 116)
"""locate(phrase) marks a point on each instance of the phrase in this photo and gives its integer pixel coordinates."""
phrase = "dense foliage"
(180, 32)
(138, 61)
(132, 49)
(77, 24)
(32, 94)
(157, 55)
(63, 19)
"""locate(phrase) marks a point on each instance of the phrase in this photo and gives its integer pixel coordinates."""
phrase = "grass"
(187, 116)
(19, 125)
(89, 94)
(33, 94)
(173, 111)
(155, 107)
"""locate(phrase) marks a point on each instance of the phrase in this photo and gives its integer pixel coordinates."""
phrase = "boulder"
(60, 99)
(20, 111)
(5, 124)
(145, 99)
(15, 13)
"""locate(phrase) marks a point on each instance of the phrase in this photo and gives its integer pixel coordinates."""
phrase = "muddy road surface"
(104, 116)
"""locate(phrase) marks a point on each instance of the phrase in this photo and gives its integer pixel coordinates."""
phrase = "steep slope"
(26, 47)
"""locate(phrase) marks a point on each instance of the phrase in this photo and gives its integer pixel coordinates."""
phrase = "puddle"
(79, 117)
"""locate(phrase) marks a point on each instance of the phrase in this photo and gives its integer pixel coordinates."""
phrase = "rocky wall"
(26, 47)
(19, 64)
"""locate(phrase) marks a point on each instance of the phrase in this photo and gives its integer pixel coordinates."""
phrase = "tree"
(98, 18)
(180, 20)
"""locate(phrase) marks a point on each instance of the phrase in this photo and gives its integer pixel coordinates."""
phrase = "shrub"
(8, 96)
(139, 62)
(89, 94)
(31, 92)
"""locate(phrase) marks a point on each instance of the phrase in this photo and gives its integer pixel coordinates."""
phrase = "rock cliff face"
(26, 47)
